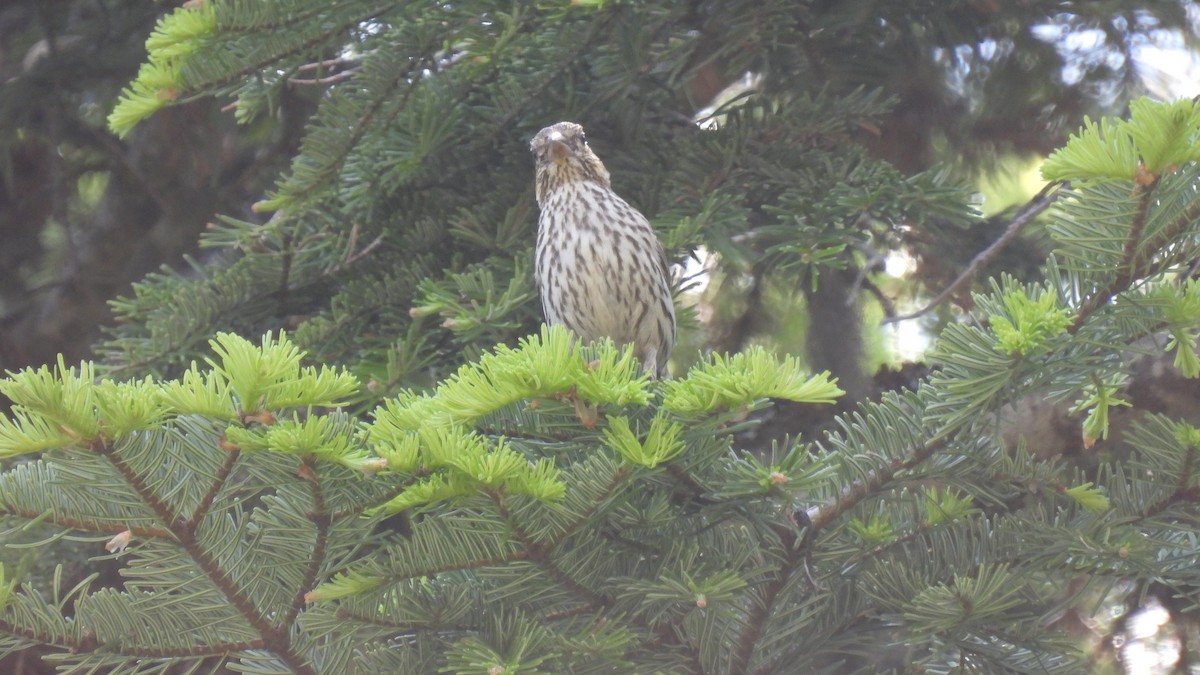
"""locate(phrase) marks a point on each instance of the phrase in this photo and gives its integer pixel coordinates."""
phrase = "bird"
(600, 269)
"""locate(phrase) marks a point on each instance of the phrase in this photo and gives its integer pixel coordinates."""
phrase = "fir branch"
(275, 638)
(550, 77)
(762, 607)
(877, 552)
(1184, 492)
(850, 495)
(795, 560)
(1182, 496)
(286, 256)
(537, 435)
(496, 130)
(609, 490)
(687, 480)
(103, 447)
(88, 643)
(385, 496)
(382, 96)
(271, 23)
(1185, 474)
(200, 651)
(434, 570)
(324, 36)
(397, 627)
(1129, 271)
(540, 554)
(324, 81)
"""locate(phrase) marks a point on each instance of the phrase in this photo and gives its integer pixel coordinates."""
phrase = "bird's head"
(562, 156)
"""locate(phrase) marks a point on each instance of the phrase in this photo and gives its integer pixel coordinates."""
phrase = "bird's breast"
(589, 262)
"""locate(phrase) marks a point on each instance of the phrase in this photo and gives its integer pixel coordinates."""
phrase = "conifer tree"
(416, 478)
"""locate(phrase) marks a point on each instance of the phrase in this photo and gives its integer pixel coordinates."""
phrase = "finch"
(600, 269)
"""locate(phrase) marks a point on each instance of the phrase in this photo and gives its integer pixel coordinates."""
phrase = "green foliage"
(205, 484)
(944, 506)
(61, 397)
(1029, 324)
(733, 382)
(466, 463)
(1188, 435)
(6, 588)
(547, 365)
(874, 530)
(1183, 323)
(566, 513)
(968, 602)
(1156, 139)
(661, 444)
(1100, 151)
(160, 80)
(1098, 400)
(271, 377)
(474, 306)
(1088, 497)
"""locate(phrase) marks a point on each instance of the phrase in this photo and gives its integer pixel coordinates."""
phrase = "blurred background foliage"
(83, 214)
(977, 90)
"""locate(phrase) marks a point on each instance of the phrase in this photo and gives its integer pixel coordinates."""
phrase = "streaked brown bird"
(600, 269)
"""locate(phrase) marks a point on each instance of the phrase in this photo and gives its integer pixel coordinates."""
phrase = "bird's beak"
(559, 152)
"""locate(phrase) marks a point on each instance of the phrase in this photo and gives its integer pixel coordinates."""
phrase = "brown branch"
(206, 501)
(885, 303)
(761, 609)
(1034, 207)
(823, 515)
(319, 516)
(352, 256)
(91, 526)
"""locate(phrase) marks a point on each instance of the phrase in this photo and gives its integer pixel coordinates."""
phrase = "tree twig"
(328, 79)
(1040, 202)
